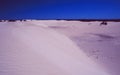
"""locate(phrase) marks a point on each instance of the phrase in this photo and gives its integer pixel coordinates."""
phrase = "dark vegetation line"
(12, 20)
(83, 20)
(90, 20)
(103, 21)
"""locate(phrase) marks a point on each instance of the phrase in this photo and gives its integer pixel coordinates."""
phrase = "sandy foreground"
(59, 48)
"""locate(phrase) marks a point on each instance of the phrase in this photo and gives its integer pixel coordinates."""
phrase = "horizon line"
(116, 20)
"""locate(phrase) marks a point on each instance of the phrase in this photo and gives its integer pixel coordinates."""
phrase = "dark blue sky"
(59, 9)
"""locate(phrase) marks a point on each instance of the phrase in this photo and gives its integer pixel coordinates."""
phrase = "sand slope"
(37, 50)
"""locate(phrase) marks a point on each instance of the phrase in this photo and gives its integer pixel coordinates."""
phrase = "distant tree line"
(21, 20)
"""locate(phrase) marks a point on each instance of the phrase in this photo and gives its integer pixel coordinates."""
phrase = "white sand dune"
(36, 50)
(100, 43)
